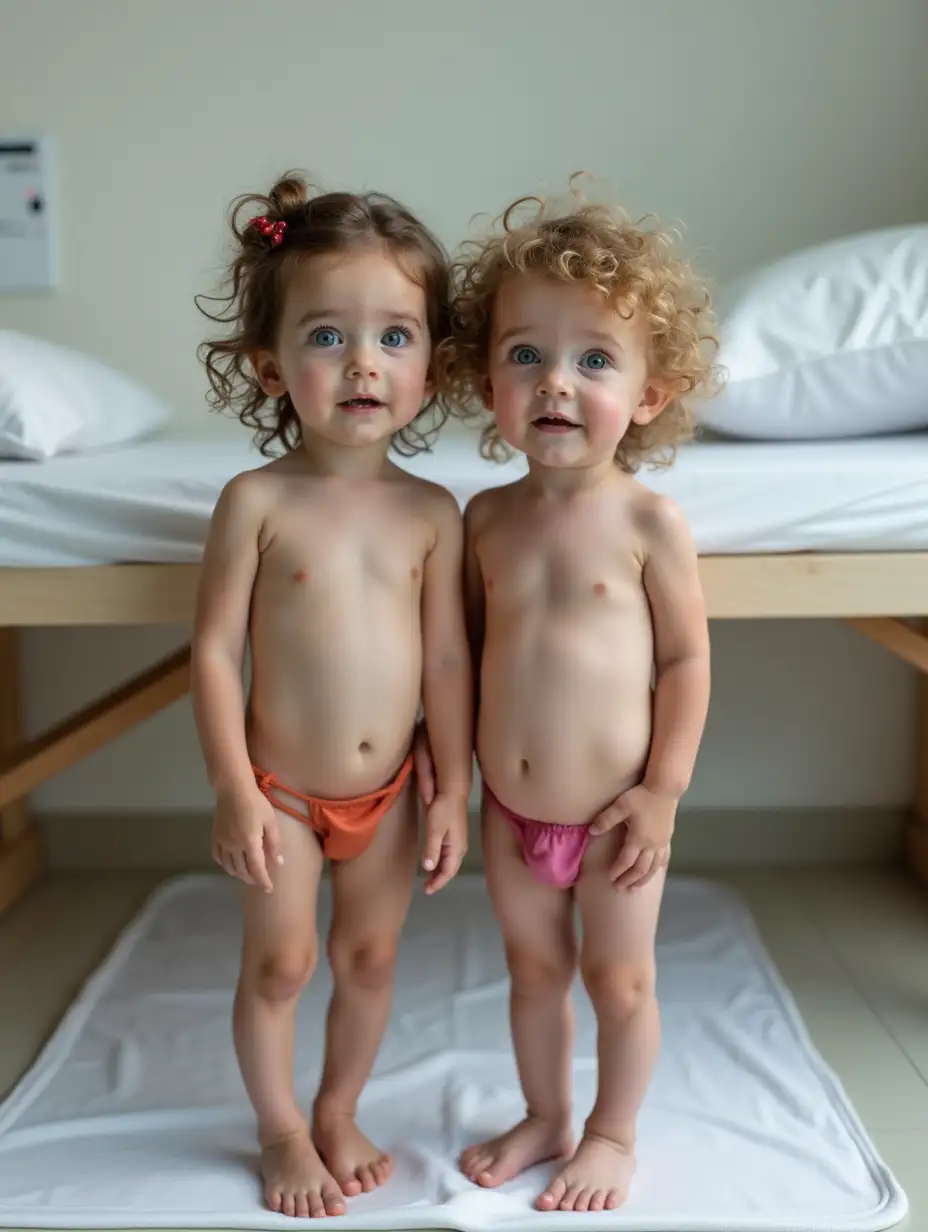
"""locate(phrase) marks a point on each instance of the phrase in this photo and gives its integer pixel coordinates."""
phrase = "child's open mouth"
(361, 405)
(554, 423)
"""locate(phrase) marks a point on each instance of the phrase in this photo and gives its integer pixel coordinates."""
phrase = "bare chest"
(569, 568)
(326, 548)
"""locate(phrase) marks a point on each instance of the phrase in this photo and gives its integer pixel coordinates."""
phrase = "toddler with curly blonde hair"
(585, 337)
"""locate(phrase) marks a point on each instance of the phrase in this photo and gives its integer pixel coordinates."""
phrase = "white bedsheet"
(135, 1115)
(152, 501)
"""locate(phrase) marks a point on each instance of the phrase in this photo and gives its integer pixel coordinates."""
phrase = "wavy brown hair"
(633, 265)
(252, 296)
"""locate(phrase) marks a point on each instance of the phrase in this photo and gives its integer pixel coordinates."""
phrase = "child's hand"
(425, 766)
(648, 817)
(445, 840)
(246, 840)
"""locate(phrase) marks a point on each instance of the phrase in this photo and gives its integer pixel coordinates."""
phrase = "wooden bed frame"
(884, 596)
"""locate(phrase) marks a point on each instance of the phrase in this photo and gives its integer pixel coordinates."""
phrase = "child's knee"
(537, 974)
(368, 964)
(618, 990)
(280, 974)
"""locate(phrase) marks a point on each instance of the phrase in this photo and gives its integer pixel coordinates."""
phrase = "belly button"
(523, 767)
(365, 746)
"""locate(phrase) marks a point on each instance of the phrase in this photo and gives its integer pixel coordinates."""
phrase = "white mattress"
(134, 1115)
(152, 501)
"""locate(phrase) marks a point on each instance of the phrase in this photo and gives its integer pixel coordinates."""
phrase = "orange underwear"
(346, 827)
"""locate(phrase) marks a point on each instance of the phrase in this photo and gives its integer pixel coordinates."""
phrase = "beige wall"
(762, 125)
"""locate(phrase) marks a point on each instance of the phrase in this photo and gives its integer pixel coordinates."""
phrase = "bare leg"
(538, 931)
(278, 958)
(617, 962)
(371, 899)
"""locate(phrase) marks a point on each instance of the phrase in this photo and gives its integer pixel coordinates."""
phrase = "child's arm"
(447, 697)
(474, 595)
(681, 698)
(474, 601)
(681, 653)
(244, 825)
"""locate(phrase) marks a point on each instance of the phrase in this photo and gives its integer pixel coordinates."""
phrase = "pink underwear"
(552, 851)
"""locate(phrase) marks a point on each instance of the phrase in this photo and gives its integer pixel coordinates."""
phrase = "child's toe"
(333, 1202)
(582, 1202)
(569, 1200)
(552, 1196)
(349, 1184)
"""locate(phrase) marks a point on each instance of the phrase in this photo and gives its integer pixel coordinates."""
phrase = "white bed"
(152, 502)
(825, 530)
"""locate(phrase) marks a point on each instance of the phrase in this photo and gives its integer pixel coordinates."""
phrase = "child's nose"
(554, 383)
(361, 364)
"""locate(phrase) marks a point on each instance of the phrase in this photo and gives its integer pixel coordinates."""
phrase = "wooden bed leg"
(20, 848)
(916, 845)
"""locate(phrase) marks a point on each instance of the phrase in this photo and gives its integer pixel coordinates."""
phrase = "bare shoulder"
(661, 524)
(433, 509)
(433, 502)
(247, 503)
(488, 506)
(249, 494)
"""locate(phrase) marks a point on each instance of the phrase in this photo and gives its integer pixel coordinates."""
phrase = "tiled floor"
(851, 945)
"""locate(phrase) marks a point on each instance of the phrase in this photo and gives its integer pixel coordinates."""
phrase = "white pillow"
(828, 342)
(55, 400)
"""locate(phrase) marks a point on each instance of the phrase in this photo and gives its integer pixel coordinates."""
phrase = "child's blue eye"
(326, 337)
(395, 338)
(595, 360)
(525, 355)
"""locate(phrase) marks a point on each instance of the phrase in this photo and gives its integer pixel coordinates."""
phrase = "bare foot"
(530, 1142)
(596, 1179)
(296, 1181)
(357, 1165)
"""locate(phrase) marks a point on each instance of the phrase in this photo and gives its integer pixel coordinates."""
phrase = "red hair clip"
(274, 231)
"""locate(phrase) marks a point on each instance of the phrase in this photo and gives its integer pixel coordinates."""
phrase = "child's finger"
(447, 870)
(613, 815)
(652, 872)
(272, 844)
(240, 867)
(431, 856)
(626, 858)
(638, 871)
(425, 771)
(257, 866)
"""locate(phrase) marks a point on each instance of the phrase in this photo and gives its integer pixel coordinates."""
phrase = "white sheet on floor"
(152, 501)
(134, 1115)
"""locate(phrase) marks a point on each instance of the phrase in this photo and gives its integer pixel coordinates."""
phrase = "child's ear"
(486, 393)
(268, 373)
(430, 389)
(653, 400)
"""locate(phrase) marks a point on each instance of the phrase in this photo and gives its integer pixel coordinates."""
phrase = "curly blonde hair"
(633, 265)
(311, 223)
